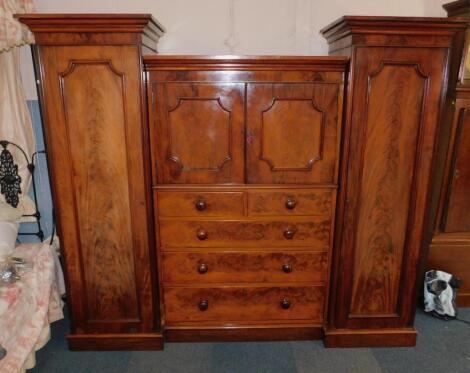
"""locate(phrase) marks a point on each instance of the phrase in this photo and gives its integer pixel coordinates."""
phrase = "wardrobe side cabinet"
(93, 107)
(396, 93)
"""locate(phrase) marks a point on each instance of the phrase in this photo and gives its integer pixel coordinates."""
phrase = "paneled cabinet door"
(95, 145)
(392, 136)
(292, 132)
(457, 216)
(197, 132)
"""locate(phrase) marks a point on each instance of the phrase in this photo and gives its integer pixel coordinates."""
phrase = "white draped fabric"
(12, 32)
(15, 120)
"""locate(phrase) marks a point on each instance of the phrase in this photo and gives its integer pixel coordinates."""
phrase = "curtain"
(15, 120)
(12, 32)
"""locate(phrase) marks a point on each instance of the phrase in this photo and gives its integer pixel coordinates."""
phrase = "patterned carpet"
(443, 346)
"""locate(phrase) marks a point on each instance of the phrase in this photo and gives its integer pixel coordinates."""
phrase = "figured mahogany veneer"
(238, 266)
(216, 197)
(256, 141)
(291, 202)
(92, 101)
(395, 96)
(232, 304)
(200, 203)
(312, 232)
(251, 202)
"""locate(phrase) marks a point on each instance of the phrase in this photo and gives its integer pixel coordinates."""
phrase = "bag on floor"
(440, 292)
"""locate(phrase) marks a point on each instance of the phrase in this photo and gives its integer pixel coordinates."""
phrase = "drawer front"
(200, 203)
(230, 304)
(291, 202)
(314, 232)
(219, 267)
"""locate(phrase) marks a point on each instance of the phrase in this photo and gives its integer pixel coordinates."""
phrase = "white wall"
(238, 26)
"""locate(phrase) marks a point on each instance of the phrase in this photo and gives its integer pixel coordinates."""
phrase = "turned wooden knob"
(286, 268)
(203, 305)
(201, 234)
(289, 233)
(200, 205)
(285, 303)
(202, 268)
(291, 203)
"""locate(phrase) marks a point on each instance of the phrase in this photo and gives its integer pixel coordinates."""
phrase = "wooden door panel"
(94, 134)
(198, 131)
(292, 132)
(386, 188)
(96, 125)
(389, 148)
(457, 217)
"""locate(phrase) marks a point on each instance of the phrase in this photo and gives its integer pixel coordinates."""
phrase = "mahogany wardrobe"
(232, 198)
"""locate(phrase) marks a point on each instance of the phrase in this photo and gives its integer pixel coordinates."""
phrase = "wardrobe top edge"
(72, 22)
(165, 60)
(392, 24)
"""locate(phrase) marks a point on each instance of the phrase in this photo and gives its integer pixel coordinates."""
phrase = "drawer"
(220, 267)
(312, 232)
(200, 203)
(236, 303)
(291, 202)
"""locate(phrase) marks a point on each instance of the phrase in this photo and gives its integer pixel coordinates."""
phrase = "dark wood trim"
(349, 25)
(92, 22)
(460, 8)
(115, 342)
(243, 333)
(221, 62)
(405, 337)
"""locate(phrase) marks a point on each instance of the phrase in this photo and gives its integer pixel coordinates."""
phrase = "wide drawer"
(195, 203)
(313, 231)
(236, 303)
(252, 266)
(290, 202)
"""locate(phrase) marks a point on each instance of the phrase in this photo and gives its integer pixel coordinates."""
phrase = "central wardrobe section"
(245, 174)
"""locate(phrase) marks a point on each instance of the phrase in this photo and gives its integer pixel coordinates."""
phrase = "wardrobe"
(450, 246)
(236, 198)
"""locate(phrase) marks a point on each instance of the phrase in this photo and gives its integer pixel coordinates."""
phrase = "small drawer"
(236, 303)
(312, 232)
(252, 266)
(291, 202)
(200, 203)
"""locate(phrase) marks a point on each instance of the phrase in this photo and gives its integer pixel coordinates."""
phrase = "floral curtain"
(15, 120)
(12, 32)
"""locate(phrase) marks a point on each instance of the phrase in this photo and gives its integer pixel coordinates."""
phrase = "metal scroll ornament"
(10, 181)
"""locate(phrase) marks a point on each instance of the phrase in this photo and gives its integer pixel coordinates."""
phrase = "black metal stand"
(10, 182)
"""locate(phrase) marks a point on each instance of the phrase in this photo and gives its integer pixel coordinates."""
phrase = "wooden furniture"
(200, 204)
(93, 107)
(395, 93)
(450, 247)
(244, 165)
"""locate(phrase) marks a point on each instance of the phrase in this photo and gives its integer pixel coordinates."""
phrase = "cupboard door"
(197, 132)
(293, 132)
(457, 218)
(96, 152)
(385, 185)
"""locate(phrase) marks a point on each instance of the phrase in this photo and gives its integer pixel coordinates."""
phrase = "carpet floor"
(443, 346)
